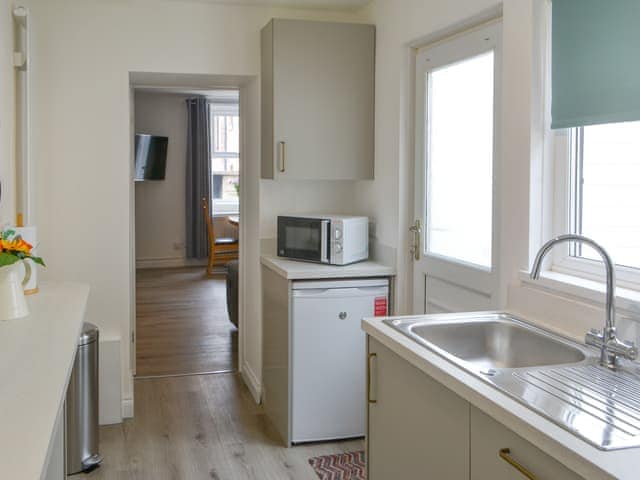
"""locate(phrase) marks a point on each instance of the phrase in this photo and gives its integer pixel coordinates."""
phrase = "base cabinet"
(419, 429)
(490, 439)
(55, 466)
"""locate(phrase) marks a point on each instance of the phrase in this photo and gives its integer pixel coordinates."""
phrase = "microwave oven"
(331, 239)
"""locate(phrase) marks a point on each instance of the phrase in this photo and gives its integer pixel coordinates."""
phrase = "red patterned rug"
(342, 466)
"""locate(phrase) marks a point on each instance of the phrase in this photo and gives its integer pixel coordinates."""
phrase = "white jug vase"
(12, 301)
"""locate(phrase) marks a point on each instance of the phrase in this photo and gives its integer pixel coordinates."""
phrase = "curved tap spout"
(611, 347)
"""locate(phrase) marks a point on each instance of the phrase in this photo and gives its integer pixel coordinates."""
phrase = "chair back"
(208, 219)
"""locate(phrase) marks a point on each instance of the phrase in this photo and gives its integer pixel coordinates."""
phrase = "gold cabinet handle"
(369, 367)
(505, 454)
(282, 155)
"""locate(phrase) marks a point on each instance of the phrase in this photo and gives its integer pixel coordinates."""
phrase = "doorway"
(186, 307)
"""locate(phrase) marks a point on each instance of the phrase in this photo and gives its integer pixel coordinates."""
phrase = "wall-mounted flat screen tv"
(151, 157)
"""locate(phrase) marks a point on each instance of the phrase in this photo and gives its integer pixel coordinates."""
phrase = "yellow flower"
(16, 245)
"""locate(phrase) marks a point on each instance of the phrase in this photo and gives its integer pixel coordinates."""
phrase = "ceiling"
(332, 4)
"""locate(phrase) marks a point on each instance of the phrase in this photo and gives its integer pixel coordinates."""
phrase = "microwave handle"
(324, 241)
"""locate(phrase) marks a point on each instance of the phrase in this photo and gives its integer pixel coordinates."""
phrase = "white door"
(457, 128)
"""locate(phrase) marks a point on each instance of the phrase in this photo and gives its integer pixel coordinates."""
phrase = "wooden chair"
(221, 250)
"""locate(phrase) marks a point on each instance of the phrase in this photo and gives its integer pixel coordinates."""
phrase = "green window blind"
(595, 62)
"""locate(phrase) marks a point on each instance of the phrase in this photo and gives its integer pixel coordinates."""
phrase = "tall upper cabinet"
(317, 100)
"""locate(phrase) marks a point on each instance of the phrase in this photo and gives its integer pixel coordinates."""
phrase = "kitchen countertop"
(294, 270)
(565, 447)
(36, 358)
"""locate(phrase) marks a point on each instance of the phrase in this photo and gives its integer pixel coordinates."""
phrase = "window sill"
(582, 289)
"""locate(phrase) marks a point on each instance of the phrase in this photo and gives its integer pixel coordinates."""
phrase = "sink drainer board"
(595, 396)
(599, 405)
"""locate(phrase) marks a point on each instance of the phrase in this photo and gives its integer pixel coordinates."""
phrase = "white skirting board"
(110, 382)
(252, 382)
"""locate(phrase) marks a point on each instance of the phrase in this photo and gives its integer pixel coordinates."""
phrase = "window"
(459, 151)
(604, 191)
(596, 144)
(225, 157)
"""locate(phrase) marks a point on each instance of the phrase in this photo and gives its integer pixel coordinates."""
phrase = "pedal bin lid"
(89, 334)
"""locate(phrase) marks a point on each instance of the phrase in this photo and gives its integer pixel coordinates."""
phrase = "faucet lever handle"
(625, 348)
(594, 337)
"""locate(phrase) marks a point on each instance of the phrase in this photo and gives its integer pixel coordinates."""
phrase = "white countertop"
(565, 447)
(36, 357)
(294, 270)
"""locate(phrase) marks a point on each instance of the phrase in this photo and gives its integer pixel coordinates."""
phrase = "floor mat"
(342, 466)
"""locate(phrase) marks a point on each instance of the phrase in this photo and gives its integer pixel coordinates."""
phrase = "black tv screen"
(151, 157)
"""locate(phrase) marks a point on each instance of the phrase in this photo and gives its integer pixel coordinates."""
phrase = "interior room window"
(225, 158)
(460, 109)
(605, 190)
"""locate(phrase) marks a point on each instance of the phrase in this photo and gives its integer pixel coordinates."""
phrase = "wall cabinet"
(417, 428)
(317, 100)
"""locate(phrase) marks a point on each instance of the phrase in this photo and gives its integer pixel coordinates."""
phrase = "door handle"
(505, 454)
(416, 229)
(369, 368)
(282, 156)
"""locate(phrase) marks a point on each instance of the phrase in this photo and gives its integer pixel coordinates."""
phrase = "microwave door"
(303, 239)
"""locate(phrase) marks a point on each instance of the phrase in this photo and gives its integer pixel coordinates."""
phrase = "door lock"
(342, 315)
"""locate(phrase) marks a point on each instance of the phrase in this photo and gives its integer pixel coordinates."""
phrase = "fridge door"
(328, 360)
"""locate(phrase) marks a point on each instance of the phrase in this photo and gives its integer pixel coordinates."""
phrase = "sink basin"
(496, 343)
(552, 375)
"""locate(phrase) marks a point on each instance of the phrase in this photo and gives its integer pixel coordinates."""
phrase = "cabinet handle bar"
(505, 454)
(282, 156)
(369, 367)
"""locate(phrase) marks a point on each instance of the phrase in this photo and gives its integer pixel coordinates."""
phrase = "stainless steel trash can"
(81, 434)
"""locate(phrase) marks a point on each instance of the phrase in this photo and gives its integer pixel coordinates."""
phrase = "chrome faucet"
(611, 348)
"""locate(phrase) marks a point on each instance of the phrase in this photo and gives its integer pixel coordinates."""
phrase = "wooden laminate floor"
(182, 325)
(202, 427)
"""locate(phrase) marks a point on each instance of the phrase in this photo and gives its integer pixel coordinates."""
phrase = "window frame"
(567, 143)
(222, 207)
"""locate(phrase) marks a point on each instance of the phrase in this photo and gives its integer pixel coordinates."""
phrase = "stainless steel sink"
(557, 377)
(496, 343)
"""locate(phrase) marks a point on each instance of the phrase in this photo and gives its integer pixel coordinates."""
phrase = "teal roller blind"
(595, 62)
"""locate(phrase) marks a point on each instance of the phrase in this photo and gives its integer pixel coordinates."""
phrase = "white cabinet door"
(489, 438)
(328, 350)
(418, 429)
(317, 100)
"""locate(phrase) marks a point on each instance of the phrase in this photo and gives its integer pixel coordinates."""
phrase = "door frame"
(223, 82)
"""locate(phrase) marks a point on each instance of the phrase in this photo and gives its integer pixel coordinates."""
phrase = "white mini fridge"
(329, 356)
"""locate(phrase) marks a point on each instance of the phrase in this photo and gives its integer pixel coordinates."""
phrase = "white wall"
(83, 51)
(389, 198)
(7, 110)
(160, 205)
